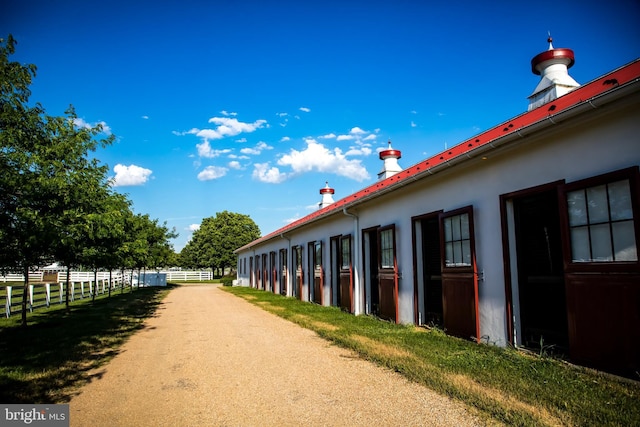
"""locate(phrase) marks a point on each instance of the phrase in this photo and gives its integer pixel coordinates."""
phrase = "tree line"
(56, 200)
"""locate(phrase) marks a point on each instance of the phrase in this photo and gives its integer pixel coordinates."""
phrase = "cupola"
(327, 196)
(390, 166)
(553, 67)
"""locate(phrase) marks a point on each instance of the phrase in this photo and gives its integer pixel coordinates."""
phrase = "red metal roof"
(601, 85)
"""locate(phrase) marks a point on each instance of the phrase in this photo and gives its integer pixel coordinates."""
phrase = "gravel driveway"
(209, 358)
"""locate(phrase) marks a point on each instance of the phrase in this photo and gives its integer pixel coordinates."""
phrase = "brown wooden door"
(318, 276)
(346, 274)
(387, 274)
(459, 275)
(298, 271)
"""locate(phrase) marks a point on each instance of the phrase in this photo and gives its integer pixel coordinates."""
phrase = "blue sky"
(250, 106)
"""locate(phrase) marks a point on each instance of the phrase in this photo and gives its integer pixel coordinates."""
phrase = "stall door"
(317, 276)
(284, 274)
(273, 265)
(459, 276)
(298, 271)
(387, 273)
(346, 274)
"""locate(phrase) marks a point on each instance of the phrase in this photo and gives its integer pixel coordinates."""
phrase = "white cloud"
(413, 112)
(226, 113)
(130, 175)
(305, 109)
(81, 123)
(193, 227)
(328, 136)
(212, 172)
(317, 157)
(241, 140)
(260, 146)
(226, 126)
(234, 164)
(145, 117)
(285, 139)
(345, 137)
(263, 173)
(369, 137)
(359, 151)
(357, 131)
(282, 114)
(205, 150)
(413, 124)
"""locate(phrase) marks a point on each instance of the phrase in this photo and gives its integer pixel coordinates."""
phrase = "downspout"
(357, 286)
(288, 288)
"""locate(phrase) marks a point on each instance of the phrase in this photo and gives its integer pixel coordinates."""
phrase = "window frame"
(468, 210)
(631, 174)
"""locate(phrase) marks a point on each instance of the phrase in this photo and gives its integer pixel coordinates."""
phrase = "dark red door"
(387, 274)
(459, 276)
(346, 274)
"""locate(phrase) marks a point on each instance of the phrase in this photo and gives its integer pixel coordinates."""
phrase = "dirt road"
(209, 358)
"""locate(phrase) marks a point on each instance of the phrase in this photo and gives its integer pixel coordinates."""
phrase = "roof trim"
(614, 83)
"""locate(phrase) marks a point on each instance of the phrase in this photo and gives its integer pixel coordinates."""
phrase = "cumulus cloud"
(285, 139)
(272, 175)
(354, 134)
(413, 124)
(145, 117)
(193, 227)
(81, 123)
(328, 136)
(226, 126)
(317, 157)
(305, 109)
(205, 150)
(130, 175)
(212, 172)
(234, 164)
(260, 146)
(226, 113)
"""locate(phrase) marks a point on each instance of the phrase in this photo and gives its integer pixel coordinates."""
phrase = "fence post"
(73, 291)
(30, 298)
(47, 289)
(61, 292)
(8, 303)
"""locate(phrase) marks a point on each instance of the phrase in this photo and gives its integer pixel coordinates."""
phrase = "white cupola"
(553, 66)
(391, 166)
(327, 196)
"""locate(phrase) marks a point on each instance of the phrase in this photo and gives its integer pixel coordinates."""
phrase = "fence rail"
(47, 288)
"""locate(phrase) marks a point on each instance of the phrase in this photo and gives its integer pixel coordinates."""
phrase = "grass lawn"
(56, 353)
(505, 385)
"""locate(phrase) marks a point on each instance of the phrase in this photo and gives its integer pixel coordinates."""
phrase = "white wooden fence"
(47, 288)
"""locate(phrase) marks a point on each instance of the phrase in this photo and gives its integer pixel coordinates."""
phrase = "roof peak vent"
(553, 67)
(390, 157)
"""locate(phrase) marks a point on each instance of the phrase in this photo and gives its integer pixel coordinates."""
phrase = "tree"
(47, 179)
(213, 244)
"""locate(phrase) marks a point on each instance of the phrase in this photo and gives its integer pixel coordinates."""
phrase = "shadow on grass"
(61, 350)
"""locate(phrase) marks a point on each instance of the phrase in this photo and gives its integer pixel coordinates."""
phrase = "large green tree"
(213, 244)
(48, 181)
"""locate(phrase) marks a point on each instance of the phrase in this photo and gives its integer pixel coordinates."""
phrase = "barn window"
(386, 248)
(601, 223)
(345, 257)
(457, 241)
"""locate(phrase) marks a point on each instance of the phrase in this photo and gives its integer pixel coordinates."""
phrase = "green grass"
(505, 385)
(60, 350)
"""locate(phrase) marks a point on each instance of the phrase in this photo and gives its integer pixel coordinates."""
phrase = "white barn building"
(523, 235)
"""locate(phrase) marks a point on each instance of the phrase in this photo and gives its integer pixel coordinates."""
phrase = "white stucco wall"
(600, 141)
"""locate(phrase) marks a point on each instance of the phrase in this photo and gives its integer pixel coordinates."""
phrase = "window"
(386, 248)
(457, 241)
(601, 223)
(345, 251)
(318, 255)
